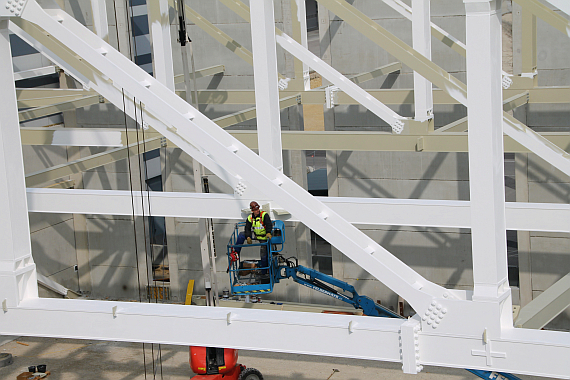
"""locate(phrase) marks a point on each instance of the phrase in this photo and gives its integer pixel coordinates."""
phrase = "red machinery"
(210, 363)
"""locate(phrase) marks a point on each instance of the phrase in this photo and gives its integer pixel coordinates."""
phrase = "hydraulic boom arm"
(326, 284)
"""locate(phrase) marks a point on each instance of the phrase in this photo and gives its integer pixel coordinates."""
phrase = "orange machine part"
(199, 365)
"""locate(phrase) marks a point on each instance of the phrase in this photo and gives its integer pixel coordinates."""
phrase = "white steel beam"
(266, 82)
(351, 89)
(159, 21)
(299, 21)
(17, 269)
(486, 169)
(421, 36)
(323, 334)
(547, 306)
(100, 23)
(546, 217)
(33, 73)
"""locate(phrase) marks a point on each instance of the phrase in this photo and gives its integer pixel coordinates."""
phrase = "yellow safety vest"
(257, 225)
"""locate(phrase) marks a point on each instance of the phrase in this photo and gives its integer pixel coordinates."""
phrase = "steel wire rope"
(133, 209)
(133, 46)
(148, 247)
(142, 181)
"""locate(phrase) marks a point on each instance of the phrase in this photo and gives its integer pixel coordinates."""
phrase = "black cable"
(133, 208)
(143, 182)
(149, 220)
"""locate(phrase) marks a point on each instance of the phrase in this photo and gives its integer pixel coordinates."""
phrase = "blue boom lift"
(247, 277)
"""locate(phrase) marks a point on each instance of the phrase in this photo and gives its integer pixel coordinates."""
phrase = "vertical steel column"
(529, 51)
(266, 82)
(421, 33)
(486, 168)
(100, 23)
(18, 279)
(299, 18)
(159, 22)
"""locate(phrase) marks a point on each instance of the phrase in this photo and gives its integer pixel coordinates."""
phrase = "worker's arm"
(247, 230)
(267, 224)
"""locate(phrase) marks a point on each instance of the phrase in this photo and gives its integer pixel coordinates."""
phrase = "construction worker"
(258, 226)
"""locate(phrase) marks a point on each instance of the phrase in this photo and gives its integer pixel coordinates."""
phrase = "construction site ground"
(69, 359)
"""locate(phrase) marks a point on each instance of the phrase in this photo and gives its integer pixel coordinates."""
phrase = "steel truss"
(451, 328)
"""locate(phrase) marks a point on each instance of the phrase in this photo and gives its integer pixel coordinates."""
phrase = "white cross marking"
(489, 354)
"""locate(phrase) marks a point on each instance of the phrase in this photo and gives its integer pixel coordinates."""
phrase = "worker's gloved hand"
(248, 240)
(268, 236)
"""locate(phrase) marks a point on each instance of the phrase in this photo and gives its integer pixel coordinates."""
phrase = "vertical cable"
(133, 209)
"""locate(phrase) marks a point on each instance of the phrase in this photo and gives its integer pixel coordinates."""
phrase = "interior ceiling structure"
(453, 328)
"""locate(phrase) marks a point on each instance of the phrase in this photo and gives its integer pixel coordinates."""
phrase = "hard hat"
(254, 206)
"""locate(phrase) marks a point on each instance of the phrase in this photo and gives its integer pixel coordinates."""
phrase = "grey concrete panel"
(40, 221)
(121, 166)
(542, 171)
(549, 117)
(53, 249)
(549, 192)
(553, 47)
(182, 183)
(82, 12)
(115, 283)
(399, 165)
(112, 242)
(412, 189)
(442, 258)
(554, 77)
(39, 157)
(102, 115)
(549, 261)
(108, 180)
(188, 246)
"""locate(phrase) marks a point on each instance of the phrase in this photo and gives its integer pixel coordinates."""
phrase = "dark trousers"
(262, 250)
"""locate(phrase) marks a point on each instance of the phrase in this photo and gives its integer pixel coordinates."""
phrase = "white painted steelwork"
(546, 217)
(266, 82)
(452, 328)
(421, 28)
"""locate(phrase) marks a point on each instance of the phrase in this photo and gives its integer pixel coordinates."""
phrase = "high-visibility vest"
(257, 225)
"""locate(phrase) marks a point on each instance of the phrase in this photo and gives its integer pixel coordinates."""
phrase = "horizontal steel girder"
(539, 95)
(547, 217)
(292, 140)
(323, 334)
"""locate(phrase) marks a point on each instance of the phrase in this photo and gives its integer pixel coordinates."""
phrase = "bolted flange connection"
(434, 314)
(10, 8)
(410, 346)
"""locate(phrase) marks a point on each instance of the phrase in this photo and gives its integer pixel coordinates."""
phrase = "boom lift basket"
(247, 276)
